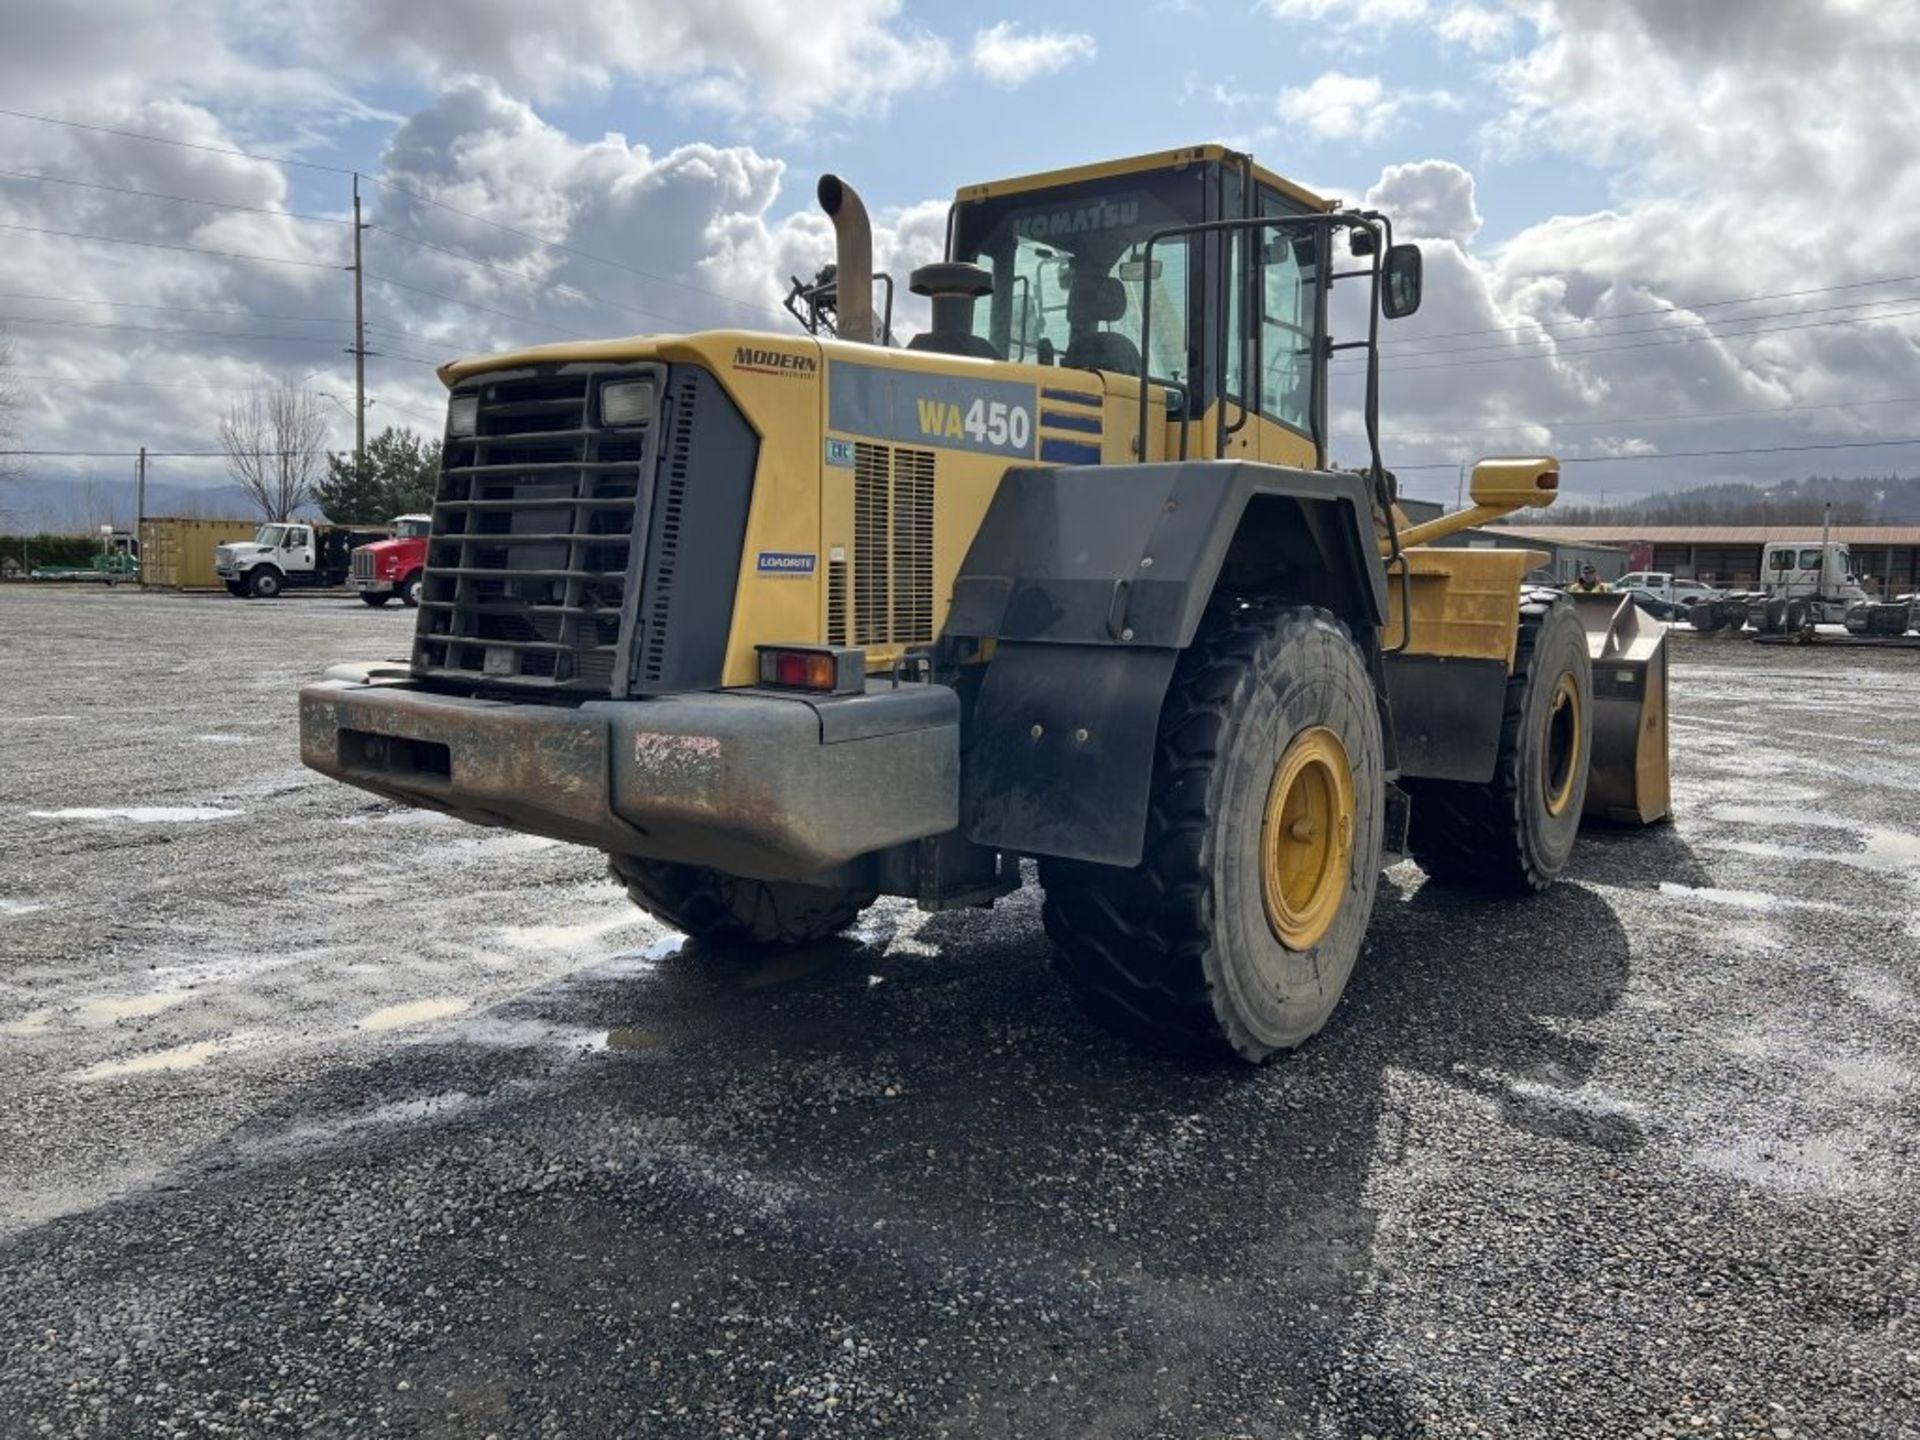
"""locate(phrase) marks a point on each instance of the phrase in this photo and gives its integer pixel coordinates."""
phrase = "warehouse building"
(1886, 557)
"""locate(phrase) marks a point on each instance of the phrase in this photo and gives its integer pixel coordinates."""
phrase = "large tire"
(1515, 833)
(409, 589)
(726, 910)
(1797, 617)
(1773, 617)
(264, 583)
(375, 598)
(1185, 950)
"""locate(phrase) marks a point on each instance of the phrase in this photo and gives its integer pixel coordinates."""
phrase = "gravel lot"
(326, 1117)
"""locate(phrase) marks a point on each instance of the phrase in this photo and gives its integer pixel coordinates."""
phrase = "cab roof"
(1137, 164)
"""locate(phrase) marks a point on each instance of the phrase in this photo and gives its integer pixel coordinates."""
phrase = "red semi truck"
(393, 567)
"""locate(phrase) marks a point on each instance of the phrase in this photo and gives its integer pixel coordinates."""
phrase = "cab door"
(299, 548)
(1274, 372)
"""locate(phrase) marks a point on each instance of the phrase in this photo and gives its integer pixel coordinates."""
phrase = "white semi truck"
(1804, 583)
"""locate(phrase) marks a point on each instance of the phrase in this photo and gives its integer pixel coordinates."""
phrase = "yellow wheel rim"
(1561, 753)
(1306, 838)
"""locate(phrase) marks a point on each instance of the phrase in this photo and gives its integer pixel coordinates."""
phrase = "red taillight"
(824, 669)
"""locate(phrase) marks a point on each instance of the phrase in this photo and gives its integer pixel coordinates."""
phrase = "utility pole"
(140, 512)
(359, 339)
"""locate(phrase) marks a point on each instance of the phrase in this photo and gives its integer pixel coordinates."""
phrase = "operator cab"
(1153, 267)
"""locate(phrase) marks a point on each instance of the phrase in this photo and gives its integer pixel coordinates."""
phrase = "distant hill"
(1856, 500)
(77, 505)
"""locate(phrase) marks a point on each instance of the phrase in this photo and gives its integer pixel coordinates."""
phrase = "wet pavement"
(327, 1117)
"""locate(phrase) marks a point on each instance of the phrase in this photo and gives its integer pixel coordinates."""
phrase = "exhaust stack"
(853, 258)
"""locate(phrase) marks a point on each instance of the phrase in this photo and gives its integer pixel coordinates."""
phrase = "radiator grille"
(362, 562)
(836, 602)
(528, 565)
(669, 514)
(893, 508)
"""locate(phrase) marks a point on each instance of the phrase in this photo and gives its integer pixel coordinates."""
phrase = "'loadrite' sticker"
(784, 562)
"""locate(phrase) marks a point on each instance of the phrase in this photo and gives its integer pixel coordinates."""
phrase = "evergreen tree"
(397, 479)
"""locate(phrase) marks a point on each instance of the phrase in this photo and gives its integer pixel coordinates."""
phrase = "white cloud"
(1476, 27)
(694, 230)
(785, 61)
(1003, 56)
(1360, 108)
(1347, 14)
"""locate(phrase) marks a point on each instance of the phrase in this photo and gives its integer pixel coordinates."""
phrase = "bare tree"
(273, 442)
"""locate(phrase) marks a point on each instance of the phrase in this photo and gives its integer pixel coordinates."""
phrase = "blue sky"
(1650, 231)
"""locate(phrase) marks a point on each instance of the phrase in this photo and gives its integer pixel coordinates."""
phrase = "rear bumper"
(774, 787)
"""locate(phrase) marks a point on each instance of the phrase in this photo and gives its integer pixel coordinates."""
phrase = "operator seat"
(1098, 300)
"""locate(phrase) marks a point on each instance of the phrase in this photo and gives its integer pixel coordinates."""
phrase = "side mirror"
(1400, 288)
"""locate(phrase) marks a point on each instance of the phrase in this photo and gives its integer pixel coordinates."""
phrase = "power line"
(177, 199)
(411, 194)
(1562, 340)
(475, 305)
(181, 309)
(182, 144)
(1558, 341)
(1747, 450)
(1640, 345)
(578, 254)
(165, 245)
(571, 292)
(42, 379)
(170, 330)
(1567, 423)
(1671, 309)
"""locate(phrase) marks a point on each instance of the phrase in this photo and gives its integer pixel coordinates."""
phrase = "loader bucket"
(1629, 778)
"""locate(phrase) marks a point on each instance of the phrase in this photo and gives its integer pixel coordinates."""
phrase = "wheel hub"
(1306, 838)
(1561, 754)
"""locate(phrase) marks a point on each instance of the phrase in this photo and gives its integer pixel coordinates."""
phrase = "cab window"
(1780, 560)
(1287, 331)
(1809, 559)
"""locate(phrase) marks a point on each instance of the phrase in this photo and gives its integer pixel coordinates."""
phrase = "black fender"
(1090, 581)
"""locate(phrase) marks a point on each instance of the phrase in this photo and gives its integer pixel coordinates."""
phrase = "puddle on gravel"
(107, 1009)
(635, 1039)
(1740, 899)
(412, 1012)
(224, 739)
(401, 818)
(20, 907)
(568, 937)
(179, 1057)
(141, 814)
(34, 1022)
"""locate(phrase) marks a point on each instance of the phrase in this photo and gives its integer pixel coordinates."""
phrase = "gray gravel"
(323, 1117)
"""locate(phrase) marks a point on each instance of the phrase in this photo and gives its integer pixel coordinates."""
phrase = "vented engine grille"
(362, 564)
(893, 507)
(530, 560)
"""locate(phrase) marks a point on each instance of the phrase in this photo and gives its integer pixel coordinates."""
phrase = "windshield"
(1069, 280)
(270, 536)
(412, 529)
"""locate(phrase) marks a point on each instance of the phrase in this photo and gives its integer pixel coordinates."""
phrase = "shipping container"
(177, 554)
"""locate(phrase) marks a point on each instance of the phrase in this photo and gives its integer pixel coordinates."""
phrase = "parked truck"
(393, 566)
(119, 559)
(1804, 583)
(294, 554)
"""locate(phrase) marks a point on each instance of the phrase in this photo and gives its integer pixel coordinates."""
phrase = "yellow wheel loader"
(785, 623)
